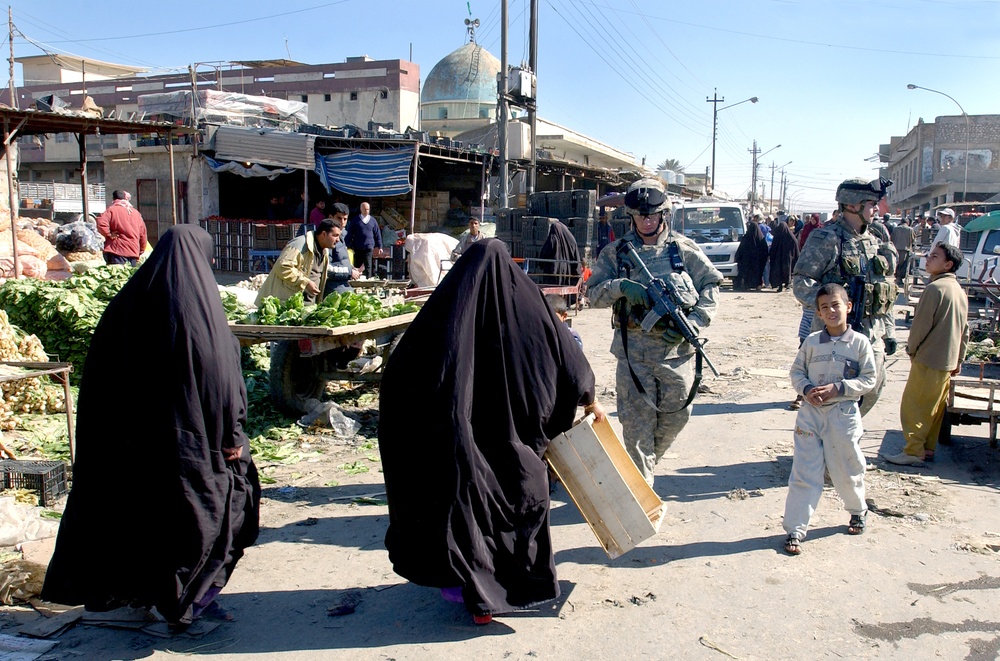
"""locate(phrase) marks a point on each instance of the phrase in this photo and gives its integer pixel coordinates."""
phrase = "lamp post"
(965, 186)
(715, 101)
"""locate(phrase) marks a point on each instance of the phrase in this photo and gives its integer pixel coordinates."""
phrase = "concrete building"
(357, 91)
(954, 161)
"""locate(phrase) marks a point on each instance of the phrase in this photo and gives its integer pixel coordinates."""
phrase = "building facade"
(954, 161)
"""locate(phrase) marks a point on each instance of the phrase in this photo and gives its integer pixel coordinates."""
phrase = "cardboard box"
(591, 462)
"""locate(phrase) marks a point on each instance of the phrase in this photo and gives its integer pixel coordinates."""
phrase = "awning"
(367, 173)
(265, 146)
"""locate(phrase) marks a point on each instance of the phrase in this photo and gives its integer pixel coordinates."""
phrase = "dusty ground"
(712, 585)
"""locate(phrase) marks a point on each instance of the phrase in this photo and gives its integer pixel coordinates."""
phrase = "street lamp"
(715, 101)
(965, 186)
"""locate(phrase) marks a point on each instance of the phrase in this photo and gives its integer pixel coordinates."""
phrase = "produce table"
(16, 371)
(316, 339)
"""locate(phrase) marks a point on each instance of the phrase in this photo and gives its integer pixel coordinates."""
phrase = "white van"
(716, 227)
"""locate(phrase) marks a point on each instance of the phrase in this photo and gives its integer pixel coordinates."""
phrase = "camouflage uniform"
(664, 367)
(830, 254)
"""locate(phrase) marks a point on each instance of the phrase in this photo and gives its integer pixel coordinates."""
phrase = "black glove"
(635, 293)
(890, 345)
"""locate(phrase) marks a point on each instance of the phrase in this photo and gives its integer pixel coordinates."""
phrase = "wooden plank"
(644, 494)
(44, 627)
(278, 333)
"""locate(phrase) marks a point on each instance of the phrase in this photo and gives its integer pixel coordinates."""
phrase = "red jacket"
(123, 230)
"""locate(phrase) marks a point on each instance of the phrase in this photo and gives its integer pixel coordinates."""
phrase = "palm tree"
(670, 164)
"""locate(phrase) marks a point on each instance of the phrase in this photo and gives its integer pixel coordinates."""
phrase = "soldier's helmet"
(857, 190)
(646, 197)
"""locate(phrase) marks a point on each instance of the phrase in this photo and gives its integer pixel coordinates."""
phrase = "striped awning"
(367, 173)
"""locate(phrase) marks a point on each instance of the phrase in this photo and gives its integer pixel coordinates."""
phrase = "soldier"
(658, 372)
(846, 252)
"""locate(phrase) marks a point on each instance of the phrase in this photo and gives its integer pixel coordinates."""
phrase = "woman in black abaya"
(494, 375)
(783, 254)
(165, 496)
(751, 258)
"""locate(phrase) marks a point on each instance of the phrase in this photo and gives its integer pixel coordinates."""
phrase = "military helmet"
(646, 197)
(857, 190)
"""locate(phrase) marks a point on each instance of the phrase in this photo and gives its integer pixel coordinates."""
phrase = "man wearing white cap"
(948, 234)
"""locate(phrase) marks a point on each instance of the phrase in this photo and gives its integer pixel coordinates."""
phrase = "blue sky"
(830, 75)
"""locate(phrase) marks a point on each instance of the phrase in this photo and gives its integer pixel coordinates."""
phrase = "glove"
(635, 293)
(671, 336)
(890, 345)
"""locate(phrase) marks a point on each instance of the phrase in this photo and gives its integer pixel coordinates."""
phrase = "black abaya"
(784, 251)
(483, 378)
(157, 515)
(560, 255)
(751, 258)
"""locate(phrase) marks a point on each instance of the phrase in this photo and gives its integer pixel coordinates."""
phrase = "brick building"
(953, 161)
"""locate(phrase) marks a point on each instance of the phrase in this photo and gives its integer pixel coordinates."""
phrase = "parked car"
(716, 227)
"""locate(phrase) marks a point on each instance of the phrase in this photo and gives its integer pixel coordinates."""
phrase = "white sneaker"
(903, 459)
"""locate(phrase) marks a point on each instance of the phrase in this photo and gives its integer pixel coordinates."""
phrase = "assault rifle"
(857, 294)
(666, 303)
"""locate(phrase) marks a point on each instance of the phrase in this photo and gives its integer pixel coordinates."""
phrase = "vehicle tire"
(294, 380)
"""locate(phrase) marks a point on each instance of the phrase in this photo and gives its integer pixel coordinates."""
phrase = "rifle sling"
(623, 325)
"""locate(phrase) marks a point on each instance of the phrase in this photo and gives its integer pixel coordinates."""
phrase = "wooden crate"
(606, 486)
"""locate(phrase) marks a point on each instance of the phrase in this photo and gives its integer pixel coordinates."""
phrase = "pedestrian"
(812, 222)
(846, 253)
(340, 270)
(751, 257)
(950, 231)
(318, 213)
(558, 305)
(605, 233)
(468, 237)
(165, 496)
(363, 237)
(782, 255)
(939, 335)
(559, 257)
(658, 372)
(833, 369)
(123, 229)
(498, 375)
(903, 239)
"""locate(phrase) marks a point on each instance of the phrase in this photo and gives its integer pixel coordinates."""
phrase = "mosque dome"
(460, 92)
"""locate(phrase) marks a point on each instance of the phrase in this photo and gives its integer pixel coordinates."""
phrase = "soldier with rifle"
(846, 252)
(663, 289)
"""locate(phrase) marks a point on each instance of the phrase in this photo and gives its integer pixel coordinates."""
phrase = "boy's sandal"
(856, 526)
(793, 545)
(796, 405)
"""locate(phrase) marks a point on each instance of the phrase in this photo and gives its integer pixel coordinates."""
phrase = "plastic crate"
(47, 478)
(538, 204)
(283, 234)
(263, 237)
(582, 229)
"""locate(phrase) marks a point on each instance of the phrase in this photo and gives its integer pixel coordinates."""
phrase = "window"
(442, 113)
(326, 97)
(62, 137)
(354, 96)
(305, 98)
(384, 94)
(484, 113)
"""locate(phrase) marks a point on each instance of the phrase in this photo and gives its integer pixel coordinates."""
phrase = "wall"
(152, 163)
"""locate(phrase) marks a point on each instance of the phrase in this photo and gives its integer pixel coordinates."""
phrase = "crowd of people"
(500, 374)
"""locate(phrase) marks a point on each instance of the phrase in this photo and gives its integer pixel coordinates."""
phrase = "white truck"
(716, 226)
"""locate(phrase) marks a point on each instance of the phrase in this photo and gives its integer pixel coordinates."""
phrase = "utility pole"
(770, 200)
(502, 109)
(532, 109)
(10, 39)
(753, 177)
(715, 101)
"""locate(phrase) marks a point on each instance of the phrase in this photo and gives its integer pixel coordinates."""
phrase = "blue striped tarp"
(367, 173)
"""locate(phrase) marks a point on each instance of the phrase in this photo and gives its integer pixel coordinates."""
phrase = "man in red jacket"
(123, 230)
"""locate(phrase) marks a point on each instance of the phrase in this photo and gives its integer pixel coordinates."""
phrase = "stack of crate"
(573, 208)
(234, 239)
(509, 223)
(431, 209)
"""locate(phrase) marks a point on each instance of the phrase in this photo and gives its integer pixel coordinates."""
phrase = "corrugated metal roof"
(267, 147)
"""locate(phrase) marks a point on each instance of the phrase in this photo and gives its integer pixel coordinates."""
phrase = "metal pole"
(533, 108)
(173, 179)
(715, 101)
(10, 192)
(770, 201)
(502, 109)
(413, 197)
(753, 178)
(82, 139)
(965, 186)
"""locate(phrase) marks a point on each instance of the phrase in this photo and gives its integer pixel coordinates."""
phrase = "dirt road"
(923, 582)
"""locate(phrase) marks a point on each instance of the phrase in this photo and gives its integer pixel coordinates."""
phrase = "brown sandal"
(856, 526)
(793, 545)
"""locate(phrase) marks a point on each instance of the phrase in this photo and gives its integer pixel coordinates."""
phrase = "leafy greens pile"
(335, 310)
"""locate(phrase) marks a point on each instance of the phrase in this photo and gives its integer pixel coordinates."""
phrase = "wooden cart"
(304, 358)
(971, 401)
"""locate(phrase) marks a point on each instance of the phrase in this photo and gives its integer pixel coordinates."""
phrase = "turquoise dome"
(467, 74)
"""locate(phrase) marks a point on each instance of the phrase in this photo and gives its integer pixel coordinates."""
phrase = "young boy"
(833, 369)
(558, 305)
(938, 338)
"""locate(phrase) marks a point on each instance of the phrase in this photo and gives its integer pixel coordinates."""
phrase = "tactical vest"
(858, 256)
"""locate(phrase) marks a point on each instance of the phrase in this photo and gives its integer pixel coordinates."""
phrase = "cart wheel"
(944, 436)
(295, 381)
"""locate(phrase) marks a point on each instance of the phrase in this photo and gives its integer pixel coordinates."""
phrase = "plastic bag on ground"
(329, 415)
(22, 523)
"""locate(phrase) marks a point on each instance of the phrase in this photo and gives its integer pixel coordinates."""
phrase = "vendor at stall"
(302, 266)
(341, 271)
